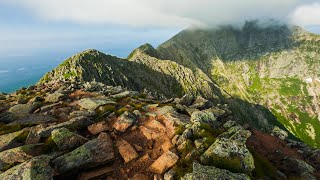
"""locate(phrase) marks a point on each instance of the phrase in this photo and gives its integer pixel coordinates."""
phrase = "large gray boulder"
(34, 169)
(93, 153)
(213, 173)
(231, 145)
(65, 139)
(93, 103)
(8, 140)
(22, 110)
(19, 155)
(55, 97)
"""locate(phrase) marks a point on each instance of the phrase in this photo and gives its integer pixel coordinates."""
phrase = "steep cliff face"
(273, 66)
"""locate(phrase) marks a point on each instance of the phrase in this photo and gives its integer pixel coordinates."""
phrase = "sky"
(117, 26)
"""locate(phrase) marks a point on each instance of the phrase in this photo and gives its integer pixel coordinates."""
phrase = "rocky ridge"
(88, 130)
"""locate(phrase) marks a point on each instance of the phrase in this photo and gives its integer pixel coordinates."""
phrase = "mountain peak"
(144, 49)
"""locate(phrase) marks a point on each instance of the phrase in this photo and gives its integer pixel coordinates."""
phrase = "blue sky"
(117, 26)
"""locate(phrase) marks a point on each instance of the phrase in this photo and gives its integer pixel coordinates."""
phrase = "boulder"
(74, 123)
(124, 122)
(164, 110)
(203, 120)
(34, 119)
(84, 113)
(8, 140)
(50, 107)
(19, 155)
(65, 139)
(55, 97)
(96, 152)
(36, 168)
(230, 145)
(98, 127)
(204, 117)
(126, 151)
(22, 110)
(164, 162)
(213, 173)
(94, 103)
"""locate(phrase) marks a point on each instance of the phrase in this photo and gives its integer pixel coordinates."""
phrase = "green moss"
(121, 111)
(232, 163)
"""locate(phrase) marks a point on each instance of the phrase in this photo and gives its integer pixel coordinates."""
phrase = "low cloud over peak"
(168, 13)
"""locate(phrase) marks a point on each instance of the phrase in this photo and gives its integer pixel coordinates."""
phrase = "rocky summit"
(222, 103)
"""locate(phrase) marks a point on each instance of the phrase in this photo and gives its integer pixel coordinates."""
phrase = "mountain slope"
(273, 66)
(142, 73)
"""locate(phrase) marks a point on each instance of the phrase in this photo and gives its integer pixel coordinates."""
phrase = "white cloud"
(169, 13)
(307, 14)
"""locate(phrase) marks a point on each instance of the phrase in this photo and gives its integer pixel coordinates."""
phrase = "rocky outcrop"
(213, 173)
(231, 145)
(65, 139)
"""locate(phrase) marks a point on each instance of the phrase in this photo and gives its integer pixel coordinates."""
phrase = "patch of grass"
(232, 163)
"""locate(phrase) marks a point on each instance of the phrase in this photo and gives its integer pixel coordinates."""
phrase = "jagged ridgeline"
(267, 73)
(142, 73)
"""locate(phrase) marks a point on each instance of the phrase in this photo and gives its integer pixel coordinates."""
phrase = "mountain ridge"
(232, 65)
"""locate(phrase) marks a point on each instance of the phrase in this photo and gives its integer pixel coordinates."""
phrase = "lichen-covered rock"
(84, 113)
(19, 155)
(203, 120)
(164, 162)
(37, 168)
(55, 97)
(231, 144)
(93, 153)
(8, 139)
(124, 121)
(21, 110)
(204, 117)
(65, 139)
(74, 123)
(93, 103)
(213, 173)
(34, 119)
